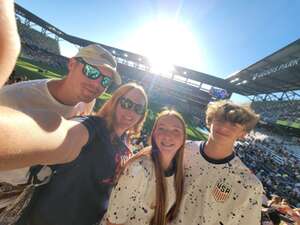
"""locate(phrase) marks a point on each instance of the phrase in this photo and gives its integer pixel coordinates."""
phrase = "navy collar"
(214, 161)
(171, 170)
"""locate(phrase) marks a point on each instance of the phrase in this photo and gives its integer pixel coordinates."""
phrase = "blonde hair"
(160, 217)
(226, 110)
(108, 110)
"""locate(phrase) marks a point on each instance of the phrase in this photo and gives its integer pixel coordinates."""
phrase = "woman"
(78, 191)
(149, 189)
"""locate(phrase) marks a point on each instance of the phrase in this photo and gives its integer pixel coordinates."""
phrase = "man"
(219, 188)
(91, 72)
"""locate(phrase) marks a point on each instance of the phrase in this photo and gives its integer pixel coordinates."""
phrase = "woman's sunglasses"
(126, 103)
(94, 73)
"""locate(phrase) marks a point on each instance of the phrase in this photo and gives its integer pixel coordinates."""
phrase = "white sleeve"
(125, 196)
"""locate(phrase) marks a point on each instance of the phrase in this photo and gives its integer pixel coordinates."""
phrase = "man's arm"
(9, 40)
(38, 137)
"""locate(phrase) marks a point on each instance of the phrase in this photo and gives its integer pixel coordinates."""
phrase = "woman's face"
(130, 109)
(169, 135)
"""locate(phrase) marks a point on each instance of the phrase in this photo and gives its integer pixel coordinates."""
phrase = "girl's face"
(169, 134)
(130, 109)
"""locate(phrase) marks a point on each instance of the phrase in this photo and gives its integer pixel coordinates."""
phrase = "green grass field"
(39, 71)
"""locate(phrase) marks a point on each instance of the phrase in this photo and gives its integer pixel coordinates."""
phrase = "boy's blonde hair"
(226, 110)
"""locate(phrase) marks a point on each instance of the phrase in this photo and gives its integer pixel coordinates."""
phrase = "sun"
(166, 43)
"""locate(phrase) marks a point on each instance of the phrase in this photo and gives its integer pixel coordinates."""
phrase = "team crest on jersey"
(221, 191)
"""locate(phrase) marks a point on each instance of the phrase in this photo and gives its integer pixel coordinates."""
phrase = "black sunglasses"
(126, 103)
(94, 73)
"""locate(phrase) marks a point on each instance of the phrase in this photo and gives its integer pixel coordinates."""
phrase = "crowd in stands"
(40, 48)
(278, 169)
(271, 111)
(43, 56)
(34, 37)
(15, 79)
(273, 164)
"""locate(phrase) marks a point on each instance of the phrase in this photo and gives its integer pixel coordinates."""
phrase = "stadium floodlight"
(205, 87)
(235, 80)
(193, 83)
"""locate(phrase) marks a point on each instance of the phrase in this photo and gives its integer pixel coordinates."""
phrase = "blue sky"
(217, 37)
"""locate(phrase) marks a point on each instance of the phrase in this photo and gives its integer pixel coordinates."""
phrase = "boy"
(219, 188)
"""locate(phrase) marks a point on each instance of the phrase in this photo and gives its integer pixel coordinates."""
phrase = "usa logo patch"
(221, 191)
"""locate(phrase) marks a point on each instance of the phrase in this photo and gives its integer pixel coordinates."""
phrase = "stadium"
(272, 84)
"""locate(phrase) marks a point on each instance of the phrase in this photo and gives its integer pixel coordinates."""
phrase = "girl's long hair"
(161, 217)
(108, 110)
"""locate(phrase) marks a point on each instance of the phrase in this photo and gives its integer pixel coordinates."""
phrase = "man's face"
(84, 88)
(226, 131)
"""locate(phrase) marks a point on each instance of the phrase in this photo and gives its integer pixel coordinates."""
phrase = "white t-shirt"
(218, 192)
(34, 95)
(132, 201)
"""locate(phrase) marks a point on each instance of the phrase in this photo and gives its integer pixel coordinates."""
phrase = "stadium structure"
(272, 84)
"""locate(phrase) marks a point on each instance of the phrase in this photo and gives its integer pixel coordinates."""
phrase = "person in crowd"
(78, 191)
(219, 188)
(9, 40)
(149, 190)
(287, 211)
(275, 200)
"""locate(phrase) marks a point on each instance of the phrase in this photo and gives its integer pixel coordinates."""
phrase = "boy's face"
(226, 131)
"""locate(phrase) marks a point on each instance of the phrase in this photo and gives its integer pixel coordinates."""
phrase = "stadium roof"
(278, 72)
